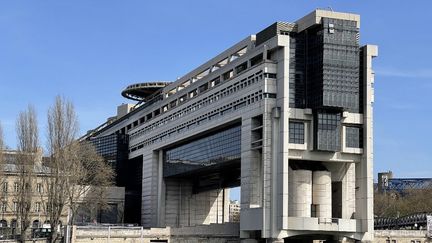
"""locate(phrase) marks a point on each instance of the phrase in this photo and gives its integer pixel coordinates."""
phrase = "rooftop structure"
(286, 114)
(143, 91)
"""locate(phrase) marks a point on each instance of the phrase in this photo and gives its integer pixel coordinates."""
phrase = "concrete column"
(281, 148)
(348, 192)
(364, 173)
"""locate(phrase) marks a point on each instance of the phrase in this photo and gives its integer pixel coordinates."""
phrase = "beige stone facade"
(9, 192)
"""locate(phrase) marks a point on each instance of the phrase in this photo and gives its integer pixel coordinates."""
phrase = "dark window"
(215, 82)
(228, 75)
(173, 103)
(149, 116)
(327, 132)
(256, 59)
(240, 68)
(354, 137)
(314, 210)
(270, 75)
(203, 87)
(296, 132)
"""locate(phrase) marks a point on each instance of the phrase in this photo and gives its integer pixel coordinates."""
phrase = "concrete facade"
(296, 182)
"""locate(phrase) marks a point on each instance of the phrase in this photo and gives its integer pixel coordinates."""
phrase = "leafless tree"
(76, 170)
(27, 153)
(394, 204)
(2, 169)
(1, 144)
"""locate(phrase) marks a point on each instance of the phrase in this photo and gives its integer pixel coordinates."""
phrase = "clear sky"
(88, 51)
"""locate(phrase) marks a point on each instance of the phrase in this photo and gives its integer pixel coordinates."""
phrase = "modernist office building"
(286, 114)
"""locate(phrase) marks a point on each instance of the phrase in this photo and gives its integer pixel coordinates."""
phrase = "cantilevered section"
(143, 91)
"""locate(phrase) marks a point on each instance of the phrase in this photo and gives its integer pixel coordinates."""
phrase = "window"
(173, 103)
(228, 75)
(37, 207)
(15, 206)
(240, 68)
(5, 187)
(215, 82)
(296, 132)
(314, 209)
(39, 188)
(256, 59)
(182, 99)
(203, 87)
(16, 187)
(193, 93)
(3, 207)
(164, 108)
(354, 137)
(328, 131)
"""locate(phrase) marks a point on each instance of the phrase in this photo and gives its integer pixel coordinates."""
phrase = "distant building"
(9, 187)
(234, 211)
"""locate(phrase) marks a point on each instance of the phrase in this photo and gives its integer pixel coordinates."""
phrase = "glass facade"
(341, 64)
(325, 66)
(328, 131)
(296, 132)
(214, 149)
(114, 149)
(354, 137)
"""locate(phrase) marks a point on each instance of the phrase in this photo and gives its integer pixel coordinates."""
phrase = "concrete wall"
(401, 236)
(183, 208)
(205, 233)
(209, 233)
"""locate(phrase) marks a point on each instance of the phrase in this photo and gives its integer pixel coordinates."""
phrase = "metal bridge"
(403, 184)
(414, 221)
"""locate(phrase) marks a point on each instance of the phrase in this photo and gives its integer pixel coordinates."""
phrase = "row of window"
(235, 87)
(354, 134)
(228, 108)
(195, 92)
(15, 207)
(13, 224)
(17, 187)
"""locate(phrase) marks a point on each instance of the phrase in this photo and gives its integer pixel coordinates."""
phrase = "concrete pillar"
(363, 170)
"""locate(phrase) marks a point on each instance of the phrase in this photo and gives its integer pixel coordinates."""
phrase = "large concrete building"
(286, 114)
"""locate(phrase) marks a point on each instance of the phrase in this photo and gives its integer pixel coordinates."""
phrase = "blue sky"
(89, 51)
